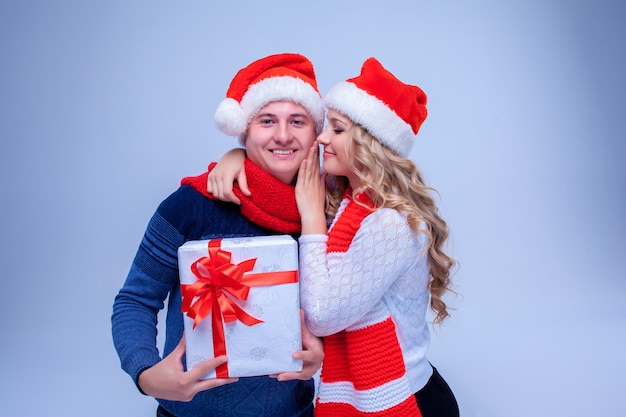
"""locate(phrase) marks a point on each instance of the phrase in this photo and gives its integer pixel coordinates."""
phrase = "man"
(273, 105)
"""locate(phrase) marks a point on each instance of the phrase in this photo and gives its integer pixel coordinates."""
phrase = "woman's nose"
(322, 138)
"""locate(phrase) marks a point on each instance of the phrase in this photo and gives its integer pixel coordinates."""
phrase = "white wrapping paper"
(264, 348)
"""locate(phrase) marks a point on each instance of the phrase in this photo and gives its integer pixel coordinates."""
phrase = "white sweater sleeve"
(337, 289)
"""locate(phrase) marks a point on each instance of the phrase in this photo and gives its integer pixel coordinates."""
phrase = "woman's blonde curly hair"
(395, 182)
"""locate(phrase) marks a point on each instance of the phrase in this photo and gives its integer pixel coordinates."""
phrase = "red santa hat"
(388, 109)
(273, 78)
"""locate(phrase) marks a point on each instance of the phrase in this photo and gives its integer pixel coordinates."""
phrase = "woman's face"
(333, 139)
(279, 138)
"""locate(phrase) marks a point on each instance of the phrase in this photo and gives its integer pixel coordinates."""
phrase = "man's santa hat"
(388, 109)
(273, 78)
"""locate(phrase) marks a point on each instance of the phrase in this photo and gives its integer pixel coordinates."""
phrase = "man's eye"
(266, 121)
(298, 122)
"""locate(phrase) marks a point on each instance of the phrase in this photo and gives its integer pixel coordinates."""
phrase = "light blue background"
(104, 106)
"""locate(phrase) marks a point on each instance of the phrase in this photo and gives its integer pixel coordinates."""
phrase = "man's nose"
(283, 133)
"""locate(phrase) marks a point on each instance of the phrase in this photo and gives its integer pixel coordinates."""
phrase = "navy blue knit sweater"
(188, 215)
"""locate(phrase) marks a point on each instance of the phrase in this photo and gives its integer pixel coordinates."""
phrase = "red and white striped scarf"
(363, 373)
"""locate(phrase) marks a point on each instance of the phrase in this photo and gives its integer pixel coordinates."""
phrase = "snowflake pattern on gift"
(271, 268)
(195, 360)
(296, 342)
(258, 353)
(241, 241)
(255, 310)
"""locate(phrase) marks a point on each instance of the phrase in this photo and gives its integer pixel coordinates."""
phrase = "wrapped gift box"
(241, 298)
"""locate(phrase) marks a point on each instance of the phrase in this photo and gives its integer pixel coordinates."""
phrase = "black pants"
(436, 398)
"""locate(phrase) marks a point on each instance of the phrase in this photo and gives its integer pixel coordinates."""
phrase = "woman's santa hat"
(273, 78)
(388, 109)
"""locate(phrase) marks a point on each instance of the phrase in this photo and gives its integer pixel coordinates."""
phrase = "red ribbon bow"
(217, 277)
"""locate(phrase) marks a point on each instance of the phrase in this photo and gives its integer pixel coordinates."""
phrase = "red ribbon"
(217, 277)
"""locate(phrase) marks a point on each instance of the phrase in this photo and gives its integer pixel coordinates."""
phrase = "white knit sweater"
(382, 272)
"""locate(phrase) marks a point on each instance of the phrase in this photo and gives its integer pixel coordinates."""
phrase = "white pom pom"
(230, 118)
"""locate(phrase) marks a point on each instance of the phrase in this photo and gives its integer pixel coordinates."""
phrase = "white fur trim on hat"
(374, 115)
(233, 118)
(230, 118)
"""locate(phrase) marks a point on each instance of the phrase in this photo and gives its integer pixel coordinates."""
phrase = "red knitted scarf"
(272, 204)
(366, 358)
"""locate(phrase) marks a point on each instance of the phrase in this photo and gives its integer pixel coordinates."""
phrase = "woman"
(365, 284)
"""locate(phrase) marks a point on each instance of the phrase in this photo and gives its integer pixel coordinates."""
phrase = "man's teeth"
(282, 152)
